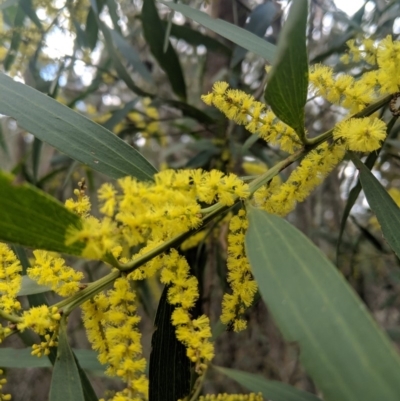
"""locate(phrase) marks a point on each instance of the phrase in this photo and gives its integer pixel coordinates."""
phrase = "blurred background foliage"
(139, 70)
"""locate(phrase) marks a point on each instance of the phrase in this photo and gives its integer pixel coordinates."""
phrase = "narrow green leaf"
(36, 153)
(196, 38)
(169, 374)
(31, 218)
(23, 359)
(270, 389)
(27, 6)
(229, 31)
(92, 29)
(131, 56)
(342, 349)
(65, 383)
(29, 287)
(287, 86)
(202, 159)
(15, 39)
(168, 29)
(3, 144)
(382, 204)
(187, 110)
(120, 114)
(258, 21)
(8, 3)
(112, 10)
(154, 32)
(81, 40)
(355, 191)
(70, 132)
(88, 391)
(115, 57)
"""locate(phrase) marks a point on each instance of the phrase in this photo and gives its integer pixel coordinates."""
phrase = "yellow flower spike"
(361, 134)
(183, 292)
(239, 276)
(51, 271)
(316, 165)
(343, 90)
(10, 279)
(244, 109)
(111, 323)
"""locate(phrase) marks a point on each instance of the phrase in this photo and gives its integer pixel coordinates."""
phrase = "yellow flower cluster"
(342, 90)
(209, 233)
(388, 61)
(232, 397)
(81, 206)
(316, 165)
(257, 119)
(361, 134)
(3, 397)
(51, 271)
(99, 236)
(4, 332)
(147, 122)
(183, 293)
(44, 347)
(111, 324)
(239, 275)
(10, 279)
(360, 50)
(41, 319)
(149, 212)
(254, 168)
(193, 240)
(355, 94)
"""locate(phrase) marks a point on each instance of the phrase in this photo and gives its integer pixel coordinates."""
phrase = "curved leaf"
(229, 31)
(115, 57)
(154, 32)
(382, 204)
(70, 132)
(31, 218)
(119, 114)
(187, 110)
(131, 56)
(28, 9)
(29, 287)
(92, 29)
(258, 21)
(270, 389)
(15, 39)
(65, 383)
(346, 354)
(196, 38)
(8, 3)
(23, 359)
(169, 374)
(287, 87)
